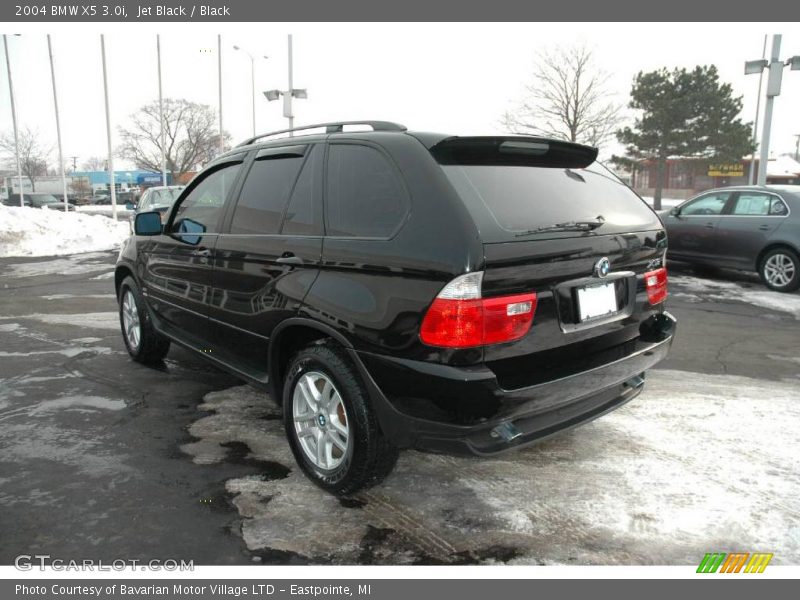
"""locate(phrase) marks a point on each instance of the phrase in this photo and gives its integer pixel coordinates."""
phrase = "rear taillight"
(655, 282)
(460, 318)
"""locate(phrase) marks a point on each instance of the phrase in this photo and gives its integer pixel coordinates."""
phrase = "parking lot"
(104, 458)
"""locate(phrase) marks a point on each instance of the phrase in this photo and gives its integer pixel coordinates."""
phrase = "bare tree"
(81, 186)
(94, 163)
(33, 154)
(568, 98)
(190, 132)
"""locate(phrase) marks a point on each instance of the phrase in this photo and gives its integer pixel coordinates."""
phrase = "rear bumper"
(464, 410)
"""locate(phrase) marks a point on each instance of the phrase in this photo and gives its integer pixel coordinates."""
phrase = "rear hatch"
(549, 217)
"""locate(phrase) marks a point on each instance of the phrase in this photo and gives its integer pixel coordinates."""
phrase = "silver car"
(159, 198)
(750, 228)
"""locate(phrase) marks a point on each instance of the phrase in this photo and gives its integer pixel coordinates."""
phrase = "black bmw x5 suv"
(396, 290)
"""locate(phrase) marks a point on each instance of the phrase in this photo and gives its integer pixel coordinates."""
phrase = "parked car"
(454, 294)
(38, 200)
(159, 198)
(750, 228)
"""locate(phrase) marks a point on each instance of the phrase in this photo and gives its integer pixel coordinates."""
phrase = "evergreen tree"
(684, 113)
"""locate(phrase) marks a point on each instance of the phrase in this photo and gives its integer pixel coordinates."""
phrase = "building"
(685, 177)
(123, 180)
(84, 183)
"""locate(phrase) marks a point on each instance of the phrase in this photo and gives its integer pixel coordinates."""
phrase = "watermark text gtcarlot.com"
(28, 562)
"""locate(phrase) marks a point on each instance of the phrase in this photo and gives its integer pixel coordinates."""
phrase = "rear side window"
(507, 201)
(264, 194)
(300, 214)
(364, 197)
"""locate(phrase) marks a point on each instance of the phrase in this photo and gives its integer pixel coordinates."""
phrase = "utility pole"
(58, 125)
(797, 147)
(14, 120)
(74, 163)
(110, 163)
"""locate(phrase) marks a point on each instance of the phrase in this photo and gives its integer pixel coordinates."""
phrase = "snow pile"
(43, 232)
(699, 290)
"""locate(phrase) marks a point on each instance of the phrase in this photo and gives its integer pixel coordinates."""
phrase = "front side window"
(201, 209)
(364, 196)
(264, 194)
(711, 204)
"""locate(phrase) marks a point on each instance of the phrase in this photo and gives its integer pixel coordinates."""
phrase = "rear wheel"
(780, 270)
(332, 429)
(144, 343)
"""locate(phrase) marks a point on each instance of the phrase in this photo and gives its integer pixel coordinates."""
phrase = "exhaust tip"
(506, 431)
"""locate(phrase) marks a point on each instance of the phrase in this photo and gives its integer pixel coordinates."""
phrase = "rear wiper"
(566, 226)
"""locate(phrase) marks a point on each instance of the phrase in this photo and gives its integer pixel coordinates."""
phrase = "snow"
(94, 320)
(665, 202)
(42, 232)
(697, 462)
(695, 289)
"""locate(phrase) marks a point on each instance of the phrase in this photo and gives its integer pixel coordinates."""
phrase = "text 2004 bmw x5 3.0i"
(406, 290)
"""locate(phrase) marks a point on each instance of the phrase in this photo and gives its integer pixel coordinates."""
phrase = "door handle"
(202, 252)
(709, 225)
(289, 259)
(764, 227)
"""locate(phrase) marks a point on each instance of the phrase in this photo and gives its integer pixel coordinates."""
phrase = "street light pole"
(751, 178)
(58, 125)
(161, 115)
(252, 82)
(110, 165)
(219, 68)
(797, 147)
(14, 120)
(288, 94)
(773, 89)
(288, 97)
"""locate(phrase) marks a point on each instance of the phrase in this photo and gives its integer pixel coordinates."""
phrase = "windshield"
(506, 201)
(164, 197)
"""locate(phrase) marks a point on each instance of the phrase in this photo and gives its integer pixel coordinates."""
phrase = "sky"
(451, 78)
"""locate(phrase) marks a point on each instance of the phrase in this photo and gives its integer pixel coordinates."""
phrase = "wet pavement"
(103, 458)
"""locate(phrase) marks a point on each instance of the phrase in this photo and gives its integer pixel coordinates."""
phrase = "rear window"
(507, 201)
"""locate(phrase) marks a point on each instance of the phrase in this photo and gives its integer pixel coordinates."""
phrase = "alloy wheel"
(779, 270)
(320, 420)
(130, 320)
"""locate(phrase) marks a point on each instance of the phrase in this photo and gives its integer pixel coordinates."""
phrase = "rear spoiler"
(516, 151)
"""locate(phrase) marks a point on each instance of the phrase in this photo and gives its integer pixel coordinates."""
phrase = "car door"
(269, 255)
(745, 228)
(176, 277)
(692, 227)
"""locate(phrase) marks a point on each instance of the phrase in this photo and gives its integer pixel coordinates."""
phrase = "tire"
(780, 270)
(363, 457)
(148, 347)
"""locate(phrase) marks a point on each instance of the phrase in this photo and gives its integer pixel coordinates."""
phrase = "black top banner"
(128, 11)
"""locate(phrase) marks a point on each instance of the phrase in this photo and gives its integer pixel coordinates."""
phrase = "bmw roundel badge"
(602, 267)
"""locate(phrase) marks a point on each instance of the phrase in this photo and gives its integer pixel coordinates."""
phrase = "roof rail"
(336, 127)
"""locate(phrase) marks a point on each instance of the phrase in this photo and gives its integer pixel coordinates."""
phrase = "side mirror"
(189, 230)
(147, 223)
(675, 212)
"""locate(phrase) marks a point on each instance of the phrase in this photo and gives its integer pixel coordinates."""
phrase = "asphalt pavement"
(101, 457)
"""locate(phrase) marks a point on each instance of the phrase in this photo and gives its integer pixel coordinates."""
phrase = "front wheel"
(780, 270)
(144, 343)
(331, 427)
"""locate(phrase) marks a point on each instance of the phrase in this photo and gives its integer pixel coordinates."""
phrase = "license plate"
(597, 301)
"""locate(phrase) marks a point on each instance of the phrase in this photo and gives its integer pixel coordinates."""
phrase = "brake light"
(460, 318)
(655, 282)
